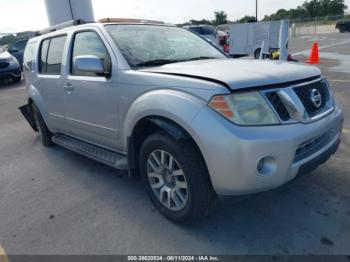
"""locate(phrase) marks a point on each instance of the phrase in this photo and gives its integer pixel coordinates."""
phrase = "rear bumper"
(232, 153)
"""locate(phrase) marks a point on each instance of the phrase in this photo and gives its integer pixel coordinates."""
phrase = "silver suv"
(164, 104)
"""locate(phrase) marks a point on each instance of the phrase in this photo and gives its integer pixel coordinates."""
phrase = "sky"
(22, 15)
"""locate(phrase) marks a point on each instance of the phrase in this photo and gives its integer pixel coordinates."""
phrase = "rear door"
(50, 80)
(91, 99)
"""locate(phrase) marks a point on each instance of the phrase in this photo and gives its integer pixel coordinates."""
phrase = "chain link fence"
(317, 25)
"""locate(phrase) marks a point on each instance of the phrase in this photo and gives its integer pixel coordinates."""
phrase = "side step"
(97, 153)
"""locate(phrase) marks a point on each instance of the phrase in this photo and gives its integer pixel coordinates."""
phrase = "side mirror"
(88, 64)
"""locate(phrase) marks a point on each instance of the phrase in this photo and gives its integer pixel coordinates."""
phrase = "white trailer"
(246, 39)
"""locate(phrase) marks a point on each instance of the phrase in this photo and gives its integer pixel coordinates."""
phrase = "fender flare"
(171, 129)
(175, 119)
(35, 96)
(177, 106)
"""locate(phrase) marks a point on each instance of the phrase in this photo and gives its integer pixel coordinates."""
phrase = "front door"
(91, 99)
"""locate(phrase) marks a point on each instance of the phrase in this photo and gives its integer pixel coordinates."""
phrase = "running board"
(97, 153)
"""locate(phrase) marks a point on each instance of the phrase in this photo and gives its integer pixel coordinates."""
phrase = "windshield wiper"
(160, 62)
(157, 62)
(199, 58)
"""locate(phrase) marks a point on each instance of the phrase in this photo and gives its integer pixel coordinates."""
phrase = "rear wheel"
(342, 29)
(257, 53)
(44, 133)
(176, 178)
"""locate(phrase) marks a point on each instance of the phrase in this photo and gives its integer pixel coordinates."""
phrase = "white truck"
(247, 39)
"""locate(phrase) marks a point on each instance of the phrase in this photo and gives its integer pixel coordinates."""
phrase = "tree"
(247, 19)
(8, 39)
(200, 22)
(310, 9)
(220, 18)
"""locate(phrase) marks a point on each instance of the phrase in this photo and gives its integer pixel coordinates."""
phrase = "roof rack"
(128, 20)
(61, 26)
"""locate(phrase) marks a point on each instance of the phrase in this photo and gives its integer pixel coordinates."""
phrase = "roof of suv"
(80, 22)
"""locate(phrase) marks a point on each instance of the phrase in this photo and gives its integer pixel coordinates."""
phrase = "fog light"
(261, 165)
(266, 166)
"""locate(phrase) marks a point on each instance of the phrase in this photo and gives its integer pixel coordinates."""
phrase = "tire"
(44, 133)
(257, 53)
(199, 196)
(342, 29)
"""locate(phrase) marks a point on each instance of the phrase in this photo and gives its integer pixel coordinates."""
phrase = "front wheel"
(176, 178)
(342, 29)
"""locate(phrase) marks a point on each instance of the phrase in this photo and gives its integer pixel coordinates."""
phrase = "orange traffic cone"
(314, 56)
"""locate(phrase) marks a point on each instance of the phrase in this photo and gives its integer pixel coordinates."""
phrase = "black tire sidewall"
(44, 132)
(180, 151)
(257, 53)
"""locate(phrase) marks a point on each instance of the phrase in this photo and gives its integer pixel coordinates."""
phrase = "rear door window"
(51, 55)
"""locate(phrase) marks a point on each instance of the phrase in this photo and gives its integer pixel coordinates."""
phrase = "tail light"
(223, 40)
(226, 48)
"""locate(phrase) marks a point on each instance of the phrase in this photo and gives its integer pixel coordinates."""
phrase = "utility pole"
(256, 10)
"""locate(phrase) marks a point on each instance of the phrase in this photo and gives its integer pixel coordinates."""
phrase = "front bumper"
(232, 153)
(12, 71)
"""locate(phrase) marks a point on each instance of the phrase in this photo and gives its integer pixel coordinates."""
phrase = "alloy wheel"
(167, 180)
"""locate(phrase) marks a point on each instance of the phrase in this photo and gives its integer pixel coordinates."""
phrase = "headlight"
(248, 109)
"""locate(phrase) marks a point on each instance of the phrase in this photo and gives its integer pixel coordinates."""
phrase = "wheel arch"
(150, 125)
(35, 97)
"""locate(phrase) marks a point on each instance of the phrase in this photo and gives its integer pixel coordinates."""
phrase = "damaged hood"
(239, 73)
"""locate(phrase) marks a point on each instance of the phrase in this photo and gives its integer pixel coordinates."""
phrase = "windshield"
(151, 45)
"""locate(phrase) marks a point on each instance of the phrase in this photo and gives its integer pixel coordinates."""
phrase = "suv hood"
(239, 73)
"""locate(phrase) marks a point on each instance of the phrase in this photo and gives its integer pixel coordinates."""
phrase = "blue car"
(17, 50)
(9, 66)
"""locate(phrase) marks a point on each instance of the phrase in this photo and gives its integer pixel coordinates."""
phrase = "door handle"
(68, 87)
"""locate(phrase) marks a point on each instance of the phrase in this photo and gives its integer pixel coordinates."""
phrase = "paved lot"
(53, 201)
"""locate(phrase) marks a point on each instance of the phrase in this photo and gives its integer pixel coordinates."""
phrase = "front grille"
(3, 64)
(300, 103)
(304, 93)
(278, 105)
(311, 146)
